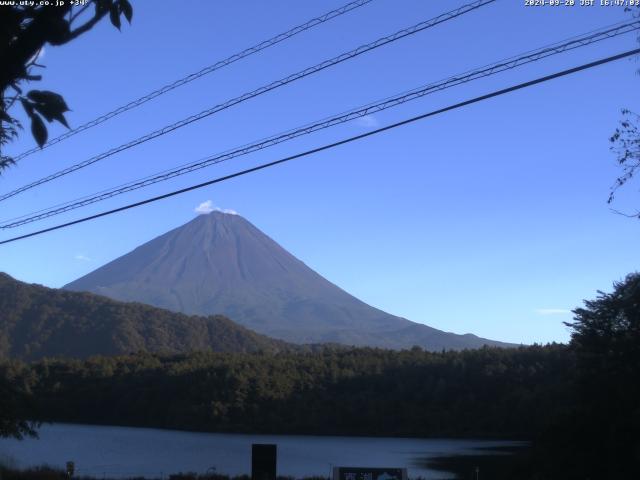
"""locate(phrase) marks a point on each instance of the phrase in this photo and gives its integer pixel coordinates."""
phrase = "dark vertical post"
(71, 468)
(263, 461)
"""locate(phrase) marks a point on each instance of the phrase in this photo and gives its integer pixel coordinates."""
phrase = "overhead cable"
(263, 166)
(264, 89)
(201, 73)
(492, 69)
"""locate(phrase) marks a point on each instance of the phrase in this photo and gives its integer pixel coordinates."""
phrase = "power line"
(264, 89)
(201, 73)
(390, 102)
(263, 166)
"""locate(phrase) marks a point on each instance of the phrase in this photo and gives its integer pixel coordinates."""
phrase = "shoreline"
(474, 437)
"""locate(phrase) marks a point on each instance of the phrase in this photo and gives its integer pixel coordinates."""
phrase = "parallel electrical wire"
(264, 89)
(492, 69)
(263, 166)
(201, 73)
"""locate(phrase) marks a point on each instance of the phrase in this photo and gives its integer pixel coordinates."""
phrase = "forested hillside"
(577, 402)
(501, 392)
(37, 322)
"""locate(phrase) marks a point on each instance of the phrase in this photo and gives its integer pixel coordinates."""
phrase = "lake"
(125, 452)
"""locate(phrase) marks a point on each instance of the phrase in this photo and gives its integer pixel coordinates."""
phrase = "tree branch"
(628, 215)
(86, 27)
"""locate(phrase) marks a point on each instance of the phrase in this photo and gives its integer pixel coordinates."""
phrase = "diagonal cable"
(264, 89)
(492, 69)
(330, 146)
(201, 73)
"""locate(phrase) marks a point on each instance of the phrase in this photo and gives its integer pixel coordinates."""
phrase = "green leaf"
(60, 117)
(50, 113)
(39, 130)
(49, 98)
(114, 15)
(28, 106)
(126, 9)
(44, 111)
(48, 104)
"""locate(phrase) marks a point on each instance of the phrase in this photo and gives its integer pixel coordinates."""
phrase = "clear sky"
(491, 219)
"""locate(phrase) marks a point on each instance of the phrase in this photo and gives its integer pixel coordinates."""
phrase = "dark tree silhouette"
(24, 31)
(606, 343)
(15, 407)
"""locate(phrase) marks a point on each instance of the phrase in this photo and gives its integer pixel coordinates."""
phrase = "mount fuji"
(219, 263)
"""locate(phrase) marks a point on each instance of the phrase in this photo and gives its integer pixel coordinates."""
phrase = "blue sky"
(491, 219)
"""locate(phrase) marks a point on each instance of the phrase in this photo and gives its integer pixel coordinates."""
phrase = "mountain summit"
(220, 263)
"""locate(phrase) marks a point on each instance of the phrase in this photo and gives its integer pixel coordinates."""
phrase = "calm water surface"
(122, 451)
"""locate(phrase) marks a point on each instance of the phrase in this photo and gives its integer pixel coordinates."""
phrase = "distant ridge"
(37, 322)
(221, 263)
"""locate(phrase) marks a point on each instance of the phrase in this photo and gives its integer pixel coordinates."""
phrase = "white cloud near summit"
(207, 207)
